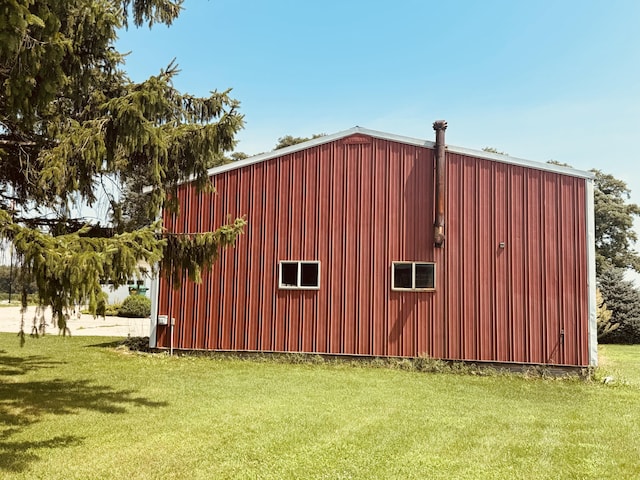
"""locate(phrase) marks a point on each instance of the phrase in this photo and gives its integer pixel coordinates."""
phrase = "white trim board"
(262, 157)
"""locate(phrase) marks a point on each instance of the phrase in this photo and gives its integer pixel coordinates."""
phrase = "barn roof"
(400, 139)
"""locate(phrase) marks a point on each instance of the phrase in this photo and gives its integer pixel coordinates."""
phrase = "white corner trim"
(591, 275)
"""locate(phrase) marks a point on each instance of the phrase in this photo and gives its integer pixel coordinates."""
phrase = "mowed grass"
(77, 408)
(622, 362)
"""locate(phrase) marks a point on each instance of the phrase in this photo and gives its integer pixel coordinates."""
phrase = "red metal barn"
(341, 256)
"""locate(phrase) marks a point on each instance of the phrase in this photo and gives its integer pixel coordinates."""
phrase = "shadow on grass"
(23, 402)
(17, 456)
(10, 366)
(138, 344)
(111, 344)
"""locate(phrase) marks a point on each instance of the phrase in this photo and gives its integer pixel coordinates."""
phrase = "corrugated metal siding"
(526, 302)
(357, 205)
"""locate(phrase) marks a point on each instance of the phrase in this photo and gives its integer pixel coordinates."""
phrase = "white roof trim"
(400, 139)
(498, 157)
(394, 138)
(315, 142)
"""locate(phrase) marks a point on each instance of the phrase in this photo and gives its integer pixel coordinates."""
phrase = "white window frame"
(413, 277)
(298, 286)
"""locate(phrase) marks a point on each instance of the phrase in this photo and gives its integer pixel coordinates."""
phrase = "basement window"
(414, 276)
(299, 275)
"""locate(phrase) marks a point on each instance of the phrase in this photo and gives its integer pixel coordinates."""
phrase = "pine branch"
(17, 143)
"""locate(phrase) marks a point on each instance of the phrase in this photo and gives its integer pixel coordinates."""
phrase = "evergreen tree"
(71, 121)
(623, 301)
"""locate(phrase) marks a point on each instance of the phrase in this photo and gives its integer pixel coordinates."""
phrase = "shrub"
(105, 309)
(113, 309)
(136, 344)
(603, 315)
(136, 306)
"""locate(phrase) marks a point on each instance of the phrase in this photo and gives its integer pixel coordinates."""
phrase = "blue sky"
(537, 79)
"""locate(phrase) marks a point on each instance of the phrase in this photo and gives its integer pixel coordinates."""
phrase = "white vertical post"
(154, 293)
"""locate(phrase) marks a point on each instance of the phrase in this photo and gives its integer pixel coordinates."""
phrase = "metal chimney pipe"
(438, 227)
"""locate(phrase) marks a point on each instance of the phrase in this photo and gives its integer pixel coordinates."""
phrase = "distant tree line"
(615, 240)
(10, 282)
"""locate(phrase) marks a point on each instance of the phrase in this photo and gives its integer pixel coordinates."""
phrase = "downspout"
(438, 227)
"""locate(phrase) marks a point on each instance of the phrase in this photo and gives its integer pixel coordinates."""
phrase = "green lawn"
(78, 408)
(622, 362)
